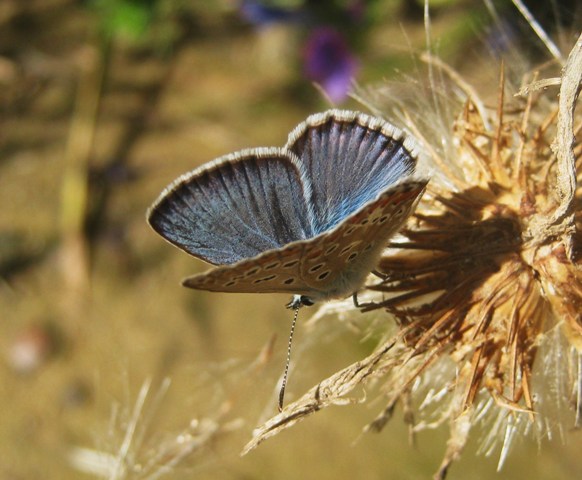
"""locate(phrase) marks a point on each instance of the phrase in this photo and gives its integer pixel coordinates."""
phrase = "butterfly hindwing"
(235, 208)
(349, 159)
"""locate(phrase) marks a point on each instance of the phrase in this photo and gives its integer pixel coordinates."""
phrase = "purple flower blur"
(329, 62)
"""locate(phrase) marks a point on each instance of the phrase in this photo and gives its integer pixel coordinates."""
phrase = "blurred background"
(110, 369)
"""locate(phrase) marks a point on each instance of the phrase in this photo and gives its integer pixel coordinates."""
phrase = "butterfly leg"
(381, 276)
(357, 304)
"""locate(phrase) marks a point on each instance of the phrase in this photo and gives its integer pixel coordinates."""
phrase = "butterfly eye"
(306, 301)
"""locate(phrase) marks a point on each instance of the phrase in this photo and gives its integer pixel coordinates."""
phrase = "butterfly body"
(310, 219)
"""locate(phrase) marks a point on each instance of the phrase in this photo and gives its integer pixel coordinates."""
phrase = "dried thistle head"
(472, 276)
(486, 274)
(487, 269)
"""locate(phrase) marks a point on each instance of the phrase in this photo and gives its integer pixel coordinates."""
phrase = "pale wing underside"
(270, 272)
(353, 248)
(309, 267)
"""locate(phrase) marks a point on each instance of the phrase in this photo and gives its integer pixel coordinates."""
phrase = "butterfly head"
(298, 301)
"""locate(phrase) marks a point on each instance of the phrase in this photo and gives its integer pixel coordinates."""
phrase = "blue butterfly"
(311, 218)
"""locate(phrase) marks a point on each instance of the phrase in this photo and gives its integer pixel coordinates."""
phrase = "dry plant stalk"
(490, 265)
(136, 450)
(74, 190)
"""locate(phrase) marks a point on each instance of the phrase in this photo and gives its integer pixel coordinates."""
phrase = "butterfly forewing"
(271, 272)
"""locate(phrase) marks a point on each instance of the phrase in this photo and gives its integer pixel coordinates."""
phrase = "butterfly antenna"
(286, 372)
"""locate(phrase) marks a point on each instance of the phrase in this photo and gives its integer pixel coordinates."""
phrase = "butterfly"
(310, 219)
